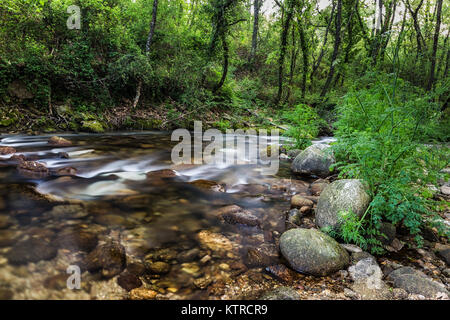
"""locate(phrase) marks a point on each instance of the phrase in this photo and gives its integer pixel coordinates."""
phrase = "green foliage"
(382, 127)
(304, 125)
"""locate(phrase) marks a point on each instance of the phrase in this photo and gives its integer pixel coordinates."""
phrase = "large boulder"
(341, 195)
(313, 252)
(314, 160)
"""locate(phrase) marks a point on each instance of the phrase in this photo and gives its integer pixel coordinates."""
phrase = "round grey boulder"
(313, 252)
(341, 196)
(314, 161)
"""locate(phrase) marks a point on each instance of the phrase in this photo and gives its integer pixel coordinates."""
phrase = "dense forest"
(374, 74)
(156, 64)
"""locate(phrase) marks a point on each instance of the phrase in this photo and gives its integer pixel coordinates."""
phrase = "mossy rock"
(93, 126)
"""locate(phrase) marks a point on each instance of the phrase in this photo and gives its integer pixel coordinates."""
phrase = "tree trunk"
(305, 58)
(283, 45)
(256, 7)
(225, 62)
(337, 42)
(147, 50)
(322, 50)
(414, 14)
(435, 44)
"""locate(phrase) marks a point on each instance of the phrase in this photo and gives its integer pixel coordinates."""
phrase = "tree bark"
(435, 44)
(256, 6)
(283, 46)
(322, 50)
(305, 57)
(225, 62)
(337, 42)
(414, 13)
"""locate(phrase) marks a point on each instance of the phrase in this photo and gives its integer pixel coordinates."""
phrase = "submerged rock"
(33, 249)
(142, 294)
(341, 196)
(8, 237)
(32, 169)
(59, 141)
(158, 267)
(244, 217)
(164, 173)
(110, 220)
(77, 239)
(262, 256)
(66, 171)
(298, 201)
(109, 259)
(281, 272)
(7, 150)
(314, 160)
(70, 211)
(188, 256)
(312, 252)
(214, 241)
(281, 293)
(234, 214)
(129, 281)
(5, 221)
(208, 185)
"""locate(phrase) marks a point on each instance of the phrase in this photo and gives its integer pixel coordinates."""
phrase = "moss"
(147, 124)
(93, 126)
(7, 122)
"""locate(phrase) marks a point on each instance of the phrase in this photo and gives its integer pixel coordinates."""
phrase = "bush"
(381, 139)
(304, 125)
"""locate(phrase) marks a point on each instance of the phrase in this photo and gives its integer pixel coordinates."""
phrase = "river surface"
(98, 192)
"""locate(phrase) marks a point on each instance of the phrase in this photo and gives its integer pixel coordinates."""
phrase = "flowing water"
(98, 192)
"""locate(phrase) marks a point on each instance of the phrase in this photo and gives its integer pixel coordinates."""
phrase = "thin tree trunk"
(435, 44)
(294, 52)
(305, 58)
(147, 50)
(256, 7)
(225, 62)
(283, 45)
(414, 14)
(337, 42)
(444, 55)
(389, 28)
(322, 50)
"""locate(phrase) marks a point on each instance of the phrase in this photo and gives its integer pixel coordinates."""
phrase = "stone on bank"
(311, 251)
(341, 196)
(314, 161)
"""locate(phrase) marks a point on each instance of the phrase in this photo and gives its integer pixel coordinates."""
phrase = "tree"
(147, 49)
(283, 44)
(337, 43)
(256, 7)
(435, 44)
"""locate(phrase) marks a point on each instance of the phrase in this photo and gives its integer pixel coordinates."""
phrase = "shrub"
(304, 125)
(381, 139)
